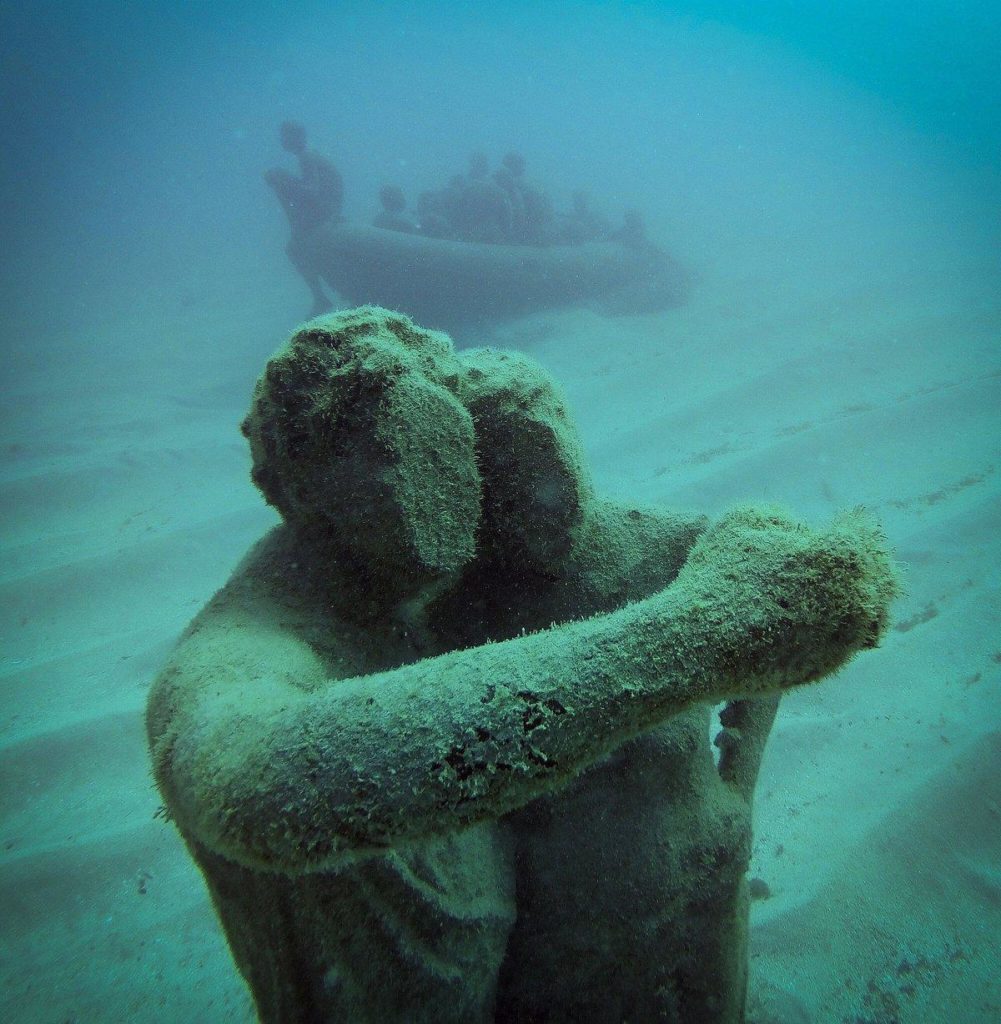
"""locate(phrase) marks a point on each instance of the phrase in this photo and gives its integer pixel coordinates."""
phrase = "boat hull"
(454, 285)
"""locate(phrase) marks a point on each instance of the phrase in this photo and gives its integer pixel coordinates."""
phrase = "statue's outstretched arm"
(281, 778)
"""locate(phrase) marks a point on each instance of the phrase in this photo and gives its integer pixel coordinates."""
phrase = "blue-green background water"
(139, 131)
(831, 173)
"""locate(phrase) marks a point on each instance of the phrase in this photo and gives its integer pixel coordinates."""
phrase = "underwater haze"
(828, 179)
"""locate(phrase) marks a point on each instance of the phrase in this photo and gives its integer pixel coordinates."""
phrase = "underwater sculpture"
(482, 249)
(310, 200)
(440, 746)
(458, 285)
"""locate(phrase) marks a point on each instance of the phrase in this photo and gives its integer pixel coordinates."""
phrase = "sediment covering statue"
(440, 746)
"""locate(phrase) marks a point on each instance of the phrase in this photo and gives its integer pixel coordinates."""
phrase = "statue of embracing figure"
(441, 745)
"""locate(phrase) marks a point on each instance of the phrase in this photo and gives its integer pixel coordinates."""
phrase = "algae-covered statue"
(440, 746)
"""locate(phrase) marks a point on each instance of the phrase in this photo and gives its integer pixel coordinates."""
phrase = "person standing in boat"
(313, 198)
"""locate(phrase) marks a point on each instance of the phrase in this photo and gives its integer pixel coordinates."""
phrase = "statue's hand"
(774, 603)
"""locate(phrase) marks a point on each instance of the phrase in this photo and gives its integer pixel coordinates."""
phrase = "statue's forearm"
(377, 760)
(304, 781)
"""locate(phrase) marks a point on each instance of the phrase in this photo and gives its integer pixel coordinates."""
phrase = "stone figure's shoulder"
(279, 606)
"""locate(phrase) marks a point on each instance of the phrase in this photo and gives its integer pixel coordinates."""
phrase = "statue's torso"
(607, 901)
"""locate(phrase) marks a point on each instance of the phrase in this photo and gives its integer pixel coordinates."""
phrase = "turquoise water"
(829, 177)
(141, 131)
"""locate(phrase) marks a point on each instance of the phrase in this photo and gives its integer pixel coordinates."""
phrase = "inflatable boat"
(456, 285)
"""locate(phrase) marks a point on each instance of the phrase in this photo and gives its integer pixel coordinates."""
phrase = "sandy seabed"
(126, 502)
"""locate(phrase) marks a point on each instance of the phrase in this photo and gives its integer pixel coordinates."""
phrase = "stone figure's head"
(410, 459)
(356, 435)
(293, 137)
(536, 483)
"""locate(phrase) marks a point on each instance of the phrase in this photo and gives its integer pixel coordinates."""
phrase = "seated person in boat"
(432, 215)
(504, 209)
(532, 209)
(493, 209)
(471, 208)
(479, 209)
(393, 216)
(633, 232)
(582, 224)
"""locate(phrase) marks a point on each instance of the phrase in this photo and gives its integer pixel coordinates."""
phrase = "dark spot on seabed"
(926, 614)
(759, 889)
